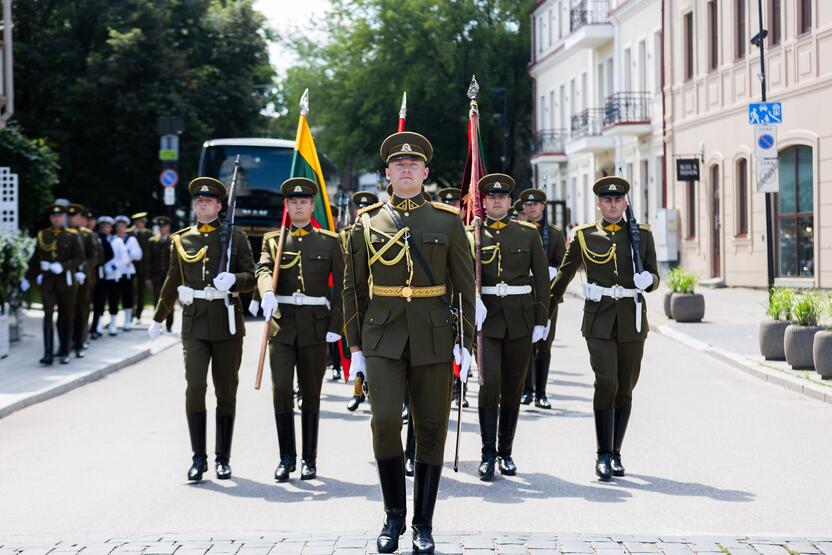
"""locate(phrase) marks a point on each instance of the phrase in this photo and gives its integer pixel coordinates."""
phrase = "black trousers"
(141, 286)
(99, 301)
(121, 289)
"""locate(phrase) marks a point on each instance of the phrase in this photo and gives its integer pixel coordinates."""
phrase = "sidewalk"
(24, 382)
(729, 333)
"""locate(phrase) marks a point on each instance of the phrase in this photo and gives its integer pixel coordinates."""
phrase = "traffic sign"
(168, 178)
(169, 148)
(765, 141)
(768, 175)
(170, 196)
(765, 113)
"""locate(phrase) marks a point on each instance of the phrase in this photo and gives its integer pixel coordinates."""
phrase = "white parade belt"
(593, 292)
(300, 299)
(504, 289)
(187, 294)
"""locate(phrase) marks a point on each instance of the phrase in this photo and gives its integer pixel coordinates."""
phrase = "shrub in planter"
(15, 250)
(772, 332)
(800, 334)
(673, 284)
(685, 304)
(822, 346)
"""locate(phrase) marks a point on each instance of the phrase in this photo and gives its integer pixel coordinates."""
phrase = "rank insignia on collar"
(407, 148)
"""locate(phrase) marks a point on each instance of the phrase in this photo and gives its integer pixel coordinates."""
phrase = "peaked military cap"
(406, 144)
(161, 220)
(611, 185)
(496, 184)
(364, 198)
(139, 216)
(207, 187)
(74, 208)
(56, 208)
(533, 195)
(90, 214)
(448, 194)
(518, 205)
(299, 187)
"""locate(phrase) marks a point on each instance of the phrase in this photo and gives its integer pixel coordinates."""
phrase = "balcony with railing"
(548, 146)
(589, 24)
(587, 133)
(627, 113)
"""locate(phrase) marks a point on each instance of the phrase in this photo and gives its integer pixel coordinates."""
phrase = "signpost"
(765, 141)
(170, 196)
(168, 178)
(169, 148)
(687, 169)
(765, 113)
(169, 128)
(768, 175)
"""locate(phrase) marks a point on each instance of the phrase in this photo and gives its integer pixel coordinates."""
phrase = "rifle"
(635, 244)
(264, 341)
(228, 232)
(461, 323)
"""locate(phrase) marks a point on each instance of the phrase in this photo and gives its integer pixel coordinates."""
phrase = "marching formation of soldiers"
(86, 265)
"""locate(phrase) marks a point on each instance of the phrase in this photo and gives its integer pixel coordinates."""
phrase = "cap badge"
(407, 148)
(204, 188)
(612, 187)
(297, 189)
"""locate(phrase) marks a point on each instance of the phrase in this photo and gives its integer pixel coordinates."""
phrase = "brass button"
(407, 213)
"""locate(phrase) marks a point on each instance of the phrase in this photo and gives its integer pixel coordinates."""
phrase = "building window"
(739, 28)
(688, 38)
(713, 35)
(550, 28)
(804, 16)
(742, 197)
(775, 17)
(584, 91)
(691, 202)
(627, 73)
(795, 214)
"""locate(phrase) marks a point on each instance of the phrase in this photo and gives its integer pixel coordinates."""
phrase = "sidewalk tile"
(770, 549)
(574, 547)
(803, 547)
(639, 547)
(477, 542)
(825, 547)
(446, 548)
(511, 548)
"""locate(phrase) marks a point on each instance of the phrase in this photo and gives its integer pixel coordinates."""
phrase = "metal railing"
(588, 12)
(627, 107)
(550, 140)
(589, 123)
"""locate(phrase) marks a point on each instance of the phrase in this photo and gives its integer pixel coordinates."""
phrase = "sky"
(285, 15)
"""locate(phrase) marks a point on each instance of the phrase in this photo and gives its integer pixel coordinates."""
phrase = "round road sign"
(169, 177)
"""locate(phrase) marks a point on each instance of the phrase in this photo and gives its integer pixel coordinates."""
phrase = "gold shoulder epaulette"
(155, 239)
(183, 230)
(69, 229)
(557, 228)
(526, 224)
(585, 226)
(327, 232)
(269, 235)
(445, 207)
(84, 231)
(368, 208)
(645, 227)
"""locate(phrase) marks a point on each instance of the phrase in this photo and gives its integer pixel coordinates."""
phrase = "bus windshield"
(262, 168)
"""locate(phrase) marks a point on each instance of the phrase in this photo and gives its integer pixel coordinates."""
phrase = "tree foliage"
(372, 50)
(93, 76)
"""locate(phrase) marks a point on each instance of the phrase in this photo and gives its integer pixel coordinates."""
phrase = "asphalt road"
(710, 450)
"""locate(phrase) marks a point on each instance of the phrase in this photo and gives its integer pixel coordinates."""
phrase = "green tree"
(375, 49)
(93, 76)
(37, 168)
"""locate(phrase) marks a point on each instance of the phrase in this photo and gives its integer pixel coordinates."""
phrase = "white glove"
(224, 281)
(552, 272)
(269, 305)
(186, 295)
(154, 330)
(332, 337)
(39, 279)
(482, 312)
(463, 359)
(643, 280)
(25, 285)
(538, 333)
(253, 307)
(56, 268)
(80, 277)
(358, 364)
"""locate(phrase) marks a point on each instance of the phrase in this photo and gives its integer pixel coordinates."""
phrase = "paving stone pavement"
(447, 543)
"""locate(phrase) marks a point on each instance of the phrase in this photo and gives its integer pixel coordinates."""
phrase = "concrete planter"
(687, 307)
(822, 353)
(4, 330)
(667, 312)
(771, 335)
(798, 343)
(16, 325)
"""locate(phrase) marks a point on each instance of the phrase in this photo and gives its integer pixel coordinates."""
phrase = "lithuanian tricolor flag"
(305, 163)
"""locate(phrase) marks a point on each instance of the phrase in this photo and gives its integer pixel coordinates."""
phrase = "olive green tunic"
(80, 323)
(159, 261)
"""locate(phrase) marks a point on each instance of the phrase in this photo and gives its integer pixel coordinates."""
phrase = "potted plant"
(773, 331)
(822, 344)
(673, 284)
(685, 304)
(800, 334)
(15, 250)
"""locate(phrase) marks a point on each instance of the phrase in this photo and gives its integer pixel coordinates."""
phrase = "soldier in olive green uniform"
(361, 200)
(400, 326)
(143, 236)
(519, 213)
(160, 247)
(554, 243)
(303, 321)
(615, 315)
(85, 276)
(212, 317)
(515, 287)
(53, 265)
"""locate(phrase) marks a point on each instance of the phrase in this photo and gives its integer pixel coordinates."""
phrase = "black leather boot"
(391, 477)
(406, 411)
(603, 436)
(541, 376)
(48, 345)
(488, 433)
(425, 488)
(286, 443)
(309, 453)
(622, 417)
(465, 395)
(409, 449)
(505, 437)
(225, 431)
(456, 394)
(528, 386)
(197, 422)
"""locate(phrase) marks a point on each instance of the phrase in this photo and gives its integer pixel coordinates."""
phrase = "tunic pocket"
(443, 330)
(373, 329)
(435, 246)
